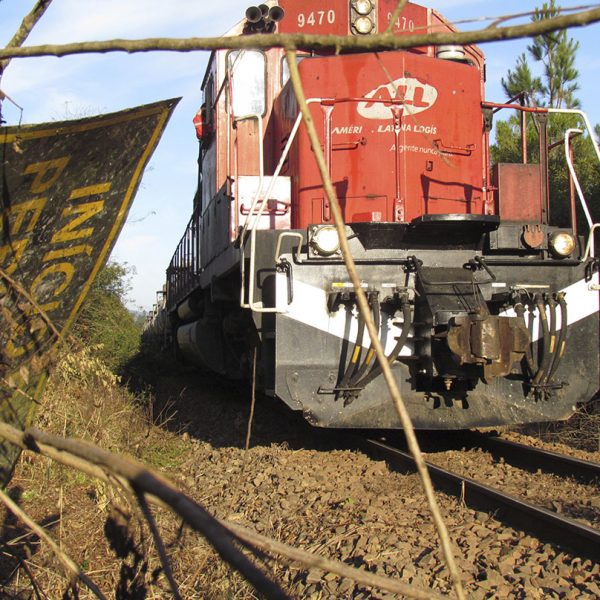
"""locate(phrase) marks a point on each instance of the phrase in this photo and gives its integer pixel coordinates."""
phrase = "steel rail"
(544, 524)
(532, 458)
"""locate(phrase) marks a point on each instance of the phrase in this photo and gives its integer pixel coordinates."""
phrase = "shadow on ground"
(216, 410)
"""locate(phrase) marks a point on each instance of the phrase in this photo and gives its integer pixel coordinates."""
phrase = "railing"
(590, 246)
(259, 203)
(260, 200)
(183, 273)
(569, 134)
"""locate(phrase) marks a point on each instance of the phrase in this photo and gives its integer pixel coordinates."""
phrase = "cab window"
(247, 70)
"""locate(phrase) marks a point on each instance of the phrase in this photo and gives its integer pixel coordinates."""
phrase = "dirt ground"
(294, 484)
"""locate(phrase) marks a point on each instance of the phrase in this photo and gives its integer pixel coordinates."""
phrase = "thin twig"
(68, 564)
(310, 560)
(252, 403)
(132, 474)
(396, 14)
(363, 305)
(36, 588)
(23, 292)
(160, 547)
(383, 41)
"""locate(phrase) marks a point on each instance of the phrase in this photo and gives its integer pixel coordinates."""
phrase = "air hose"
(406, 327)
(561, 344)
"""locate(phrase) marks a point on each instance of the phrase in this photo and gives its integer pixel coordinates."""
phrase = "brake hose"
(561, 344)
(539, 302)
(406, 327)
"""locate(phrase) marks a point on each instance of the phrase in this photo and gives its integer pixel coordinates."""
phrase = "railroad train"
(487, 307)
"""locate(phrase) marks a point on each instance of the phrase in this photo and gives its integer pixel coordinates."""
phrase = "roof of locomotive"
(238, 29)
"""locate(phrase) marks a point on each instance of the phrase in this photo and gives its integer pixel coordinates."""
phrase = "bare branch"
(395, 15)
(310, 560)
(131, 475)
(363, 306)
(25, 28)
(69, 565)
(160, 547)
(23, 292)
(384, 41)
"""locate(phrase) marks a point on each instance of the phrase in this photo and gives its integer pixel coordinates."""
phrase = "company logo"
(416, 96)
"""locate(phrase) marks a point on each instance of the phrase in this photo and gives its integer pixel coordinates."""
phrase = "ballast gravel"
(295, 485)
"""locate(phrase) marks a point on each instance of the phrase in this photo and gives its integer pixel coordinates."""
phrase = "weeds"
(581, 431)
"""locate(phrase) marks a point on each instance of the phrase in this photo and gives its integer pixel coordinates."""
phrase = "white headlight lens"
(325, 240)
(363, 7)
(562, 243)
(363, 25)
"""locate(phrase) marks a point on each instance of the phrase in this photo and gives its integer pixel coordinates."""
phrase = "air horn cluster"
(262, 19)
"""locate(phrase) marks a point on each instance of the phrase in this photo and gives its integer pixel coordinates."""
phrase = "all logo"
(417, 97)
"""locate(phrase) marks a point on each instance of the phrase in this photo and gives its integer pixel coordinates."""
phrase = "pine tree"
(557, 53)
(521, 81)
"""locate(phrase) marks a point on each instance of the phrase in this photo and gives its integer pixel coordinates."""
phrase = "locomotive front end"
(485, 321)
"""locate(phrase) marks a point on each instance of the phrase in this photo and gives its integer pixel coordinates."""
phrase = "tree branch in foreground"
(384, 41)
(133, 476)
(25, 28)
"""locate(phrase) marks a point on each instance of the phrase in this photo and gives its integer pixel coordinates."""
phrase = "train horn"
(254, 14)
(262, 19)
(276, 13)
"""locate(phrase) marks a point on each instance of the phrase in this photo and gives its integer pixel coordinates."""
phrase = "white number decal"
(403, 23)
(316, 18)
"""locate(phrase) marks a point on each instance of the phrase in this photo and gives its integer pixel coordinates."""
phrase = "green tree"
(104, 322)
(521, 81)
(557, 53)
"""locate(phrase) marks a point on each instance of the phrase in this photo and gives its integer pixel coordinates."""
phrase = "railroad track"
(545, 524)
(535, 459)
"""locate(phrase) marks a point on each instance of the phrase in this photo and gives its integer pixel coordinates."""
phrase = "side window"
(248, 73)
(209, 98)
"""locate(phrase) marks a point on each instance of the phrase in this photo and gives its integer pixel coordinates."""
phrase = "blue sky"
(53, 89)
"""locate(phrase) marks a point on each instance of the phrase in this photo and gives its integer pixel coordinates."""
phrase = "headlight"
(363, 18)
(363, 7)
(561, 243)
(363, 25)
(325, 240)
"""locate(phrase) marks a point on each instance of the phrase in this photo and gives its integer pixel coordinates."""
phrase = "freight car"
(487, 306)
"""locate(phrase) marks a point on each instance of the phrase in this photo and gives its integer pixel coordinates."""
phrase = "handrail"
(588, 125)
(590, 246)
(567, 143)
(257, 215)
(573, 174)
(261, 160)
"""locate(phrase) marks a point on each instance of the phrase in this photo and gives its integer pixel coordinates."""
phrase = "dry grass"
(95, 524)
(581, 431)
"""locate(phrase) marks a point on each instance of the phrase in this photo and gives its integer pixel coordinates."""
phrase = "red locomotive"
(488, 311)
